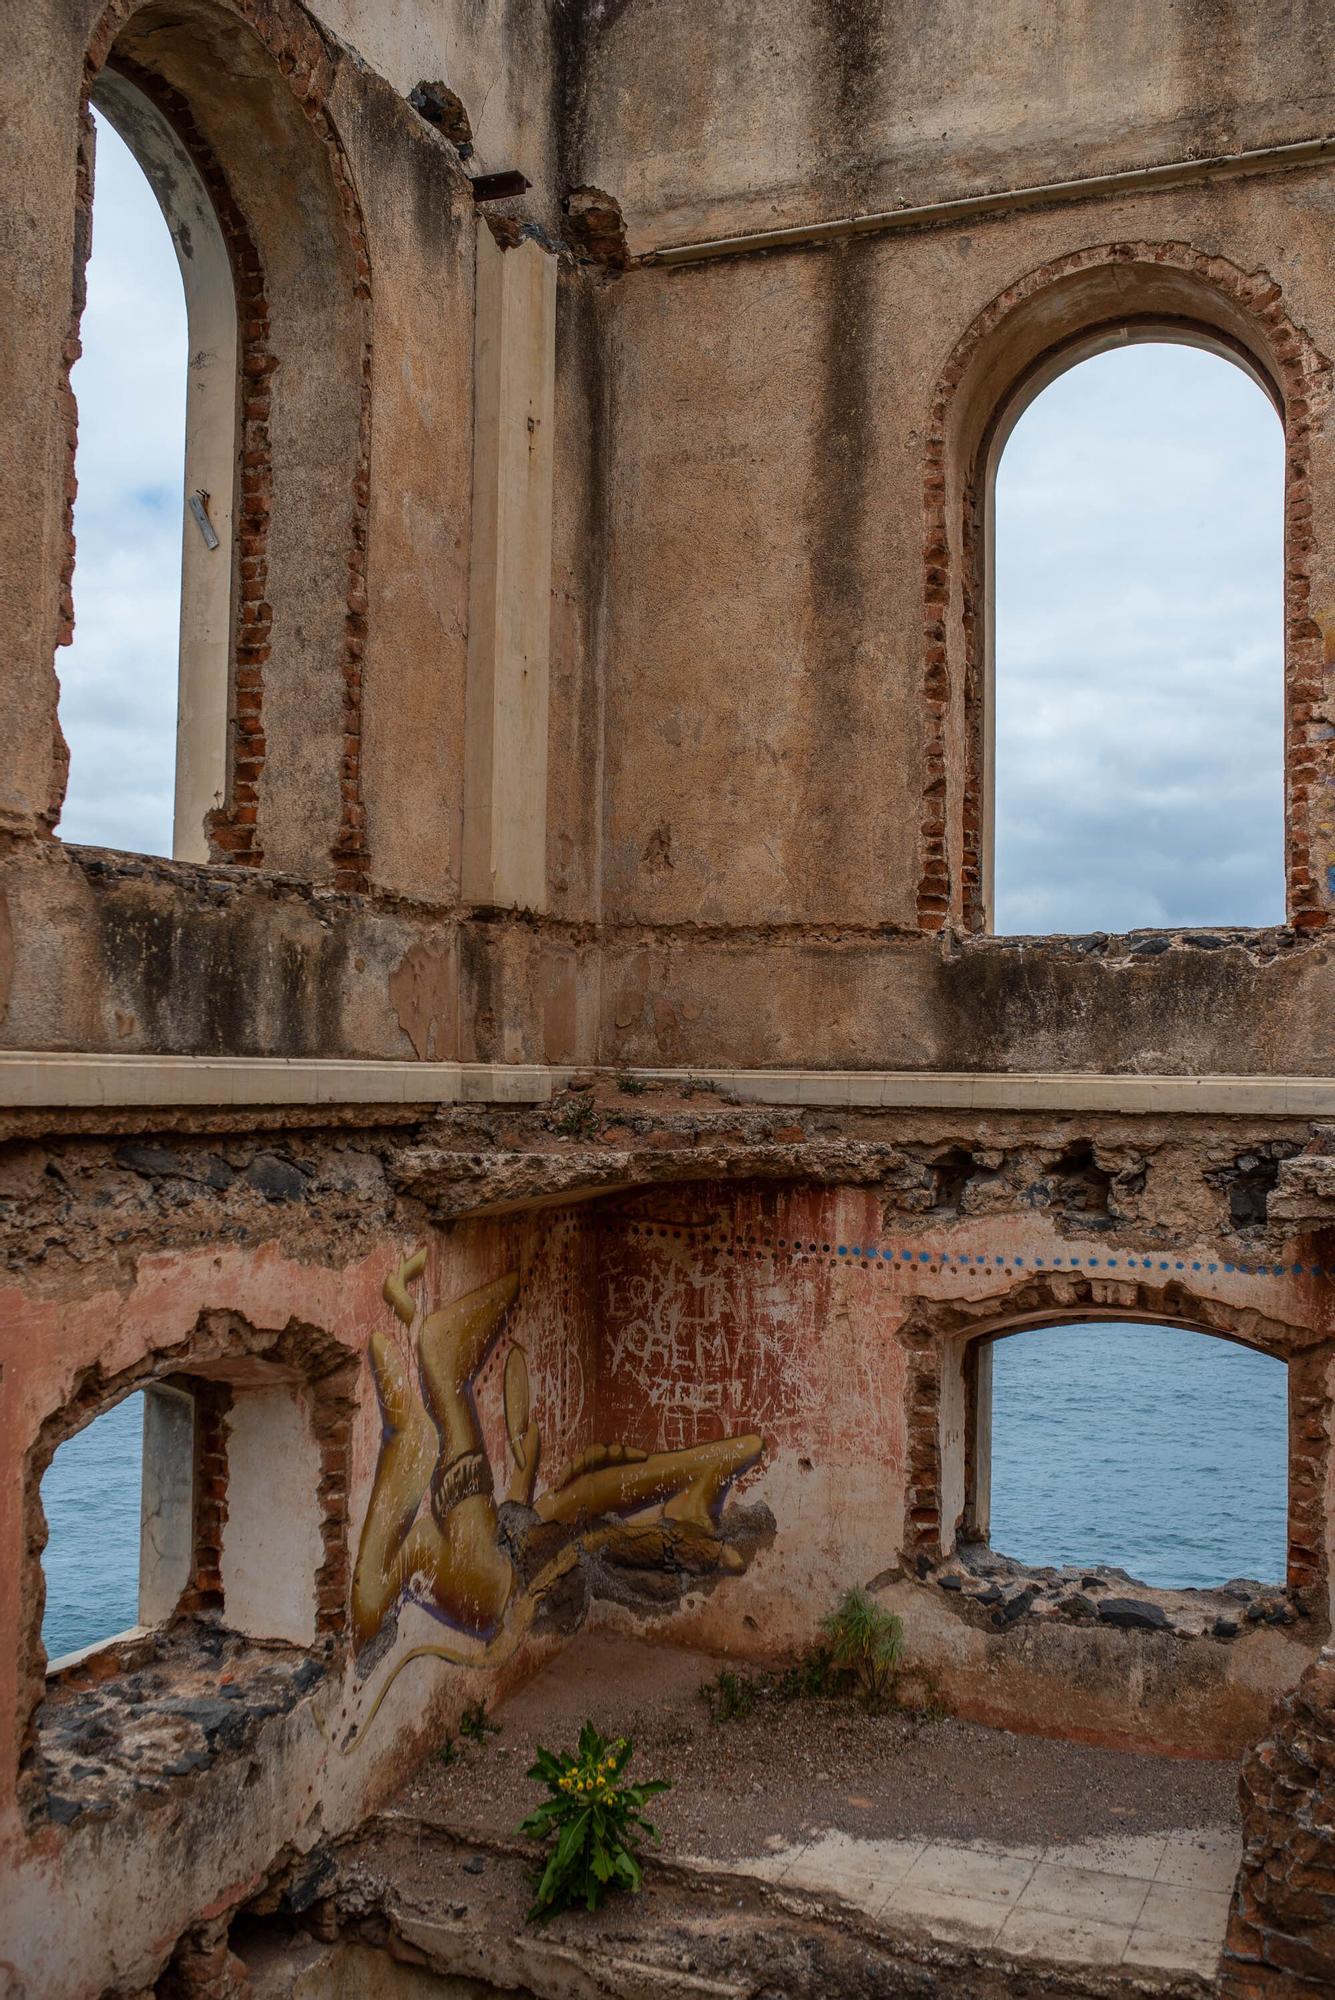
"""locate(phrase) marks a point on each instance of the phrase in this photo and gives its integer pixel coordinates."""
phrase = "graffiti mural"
(642, 1523)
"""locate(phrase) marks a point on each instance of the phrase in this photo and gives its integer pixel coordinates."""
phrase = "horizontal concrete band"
(32, 1081)
(972, 207)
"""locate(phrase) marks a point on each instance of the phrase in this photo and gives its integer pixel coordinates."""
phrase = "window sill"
(126, 1721)
(994, 1591)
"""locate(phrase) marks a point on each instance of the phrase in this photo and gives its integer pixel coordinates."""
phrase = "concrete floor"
(1040, 1849)
(1154, 1900)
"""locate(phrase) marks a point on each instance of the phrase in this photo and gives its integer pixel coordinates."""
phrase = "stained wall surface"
(607, 1346)
(762, 793)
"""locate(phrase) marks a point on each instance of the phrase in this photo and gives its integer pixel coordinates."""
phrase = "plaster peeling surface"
(665, 1317)
(693, 1336)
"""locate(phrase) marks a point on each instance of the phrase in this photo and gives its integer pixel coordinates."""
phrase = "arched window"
(1155, 1449)
(118, 1498)
(1138, 631)
(144, 685)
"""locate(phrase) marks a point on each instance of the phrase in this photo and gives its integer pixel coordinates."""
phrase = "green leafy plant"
(476, 1725)
(810, 1677)
(732, 1696)
(865, 1643)
(597, 1821)
(448, 1752)
(578, 1120)
(633, 1086)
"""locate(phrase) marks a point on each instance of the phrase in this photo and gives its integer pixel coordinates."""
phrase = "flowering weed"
(596, 1820)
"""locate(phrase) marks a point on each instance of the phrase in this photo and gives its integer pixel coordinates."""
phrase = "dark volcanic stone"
(1133, 1611)
(1226, 1628)
(1017, 1605)
(224, 1725)
(474, 1864)
(149, 1160)
(276, 1179)
(62, 1810)
(188, 1761)
(951, 1582)
(1078, 1606)
(311, 1880)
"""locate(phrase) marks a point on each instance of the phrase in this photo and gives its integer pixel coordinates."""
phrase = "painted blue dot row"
(1083, 1263)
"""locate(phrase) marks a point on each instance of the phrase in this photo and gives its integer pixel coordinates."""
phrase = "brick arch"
(943, 1337)
(1052, 308)
(210, 66)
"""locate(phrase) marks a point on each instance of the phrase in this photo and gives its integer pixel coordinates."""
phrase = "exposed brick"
(1281, 1932)
(1305, 381)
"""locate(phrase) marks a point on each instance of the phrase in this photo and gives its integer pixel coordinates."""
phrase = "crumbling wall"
(1281, 1931)
(184, 1765)
(702, 1406)
(691, 916)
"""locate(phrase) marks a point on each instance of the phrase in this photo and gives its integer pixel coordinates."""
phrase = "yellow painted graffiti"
(431, 1526)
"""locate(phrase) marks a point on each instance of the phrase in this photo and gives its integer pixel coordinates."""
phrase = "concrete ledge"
(973, 1090)
(98, 1082)
(44, 1081)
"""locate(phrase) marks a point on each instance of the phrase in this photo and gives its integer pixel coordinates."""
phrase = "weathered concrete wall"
(762, 757)
(153, 1850)
(774, 741)
(830, 1322)
(776, 113)
(127, 956)
(662, 1380)
(702, 1405)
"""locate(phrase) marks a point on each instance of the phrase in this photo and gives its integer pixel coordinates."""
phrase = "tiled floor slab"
(1031, 1933)
(1198, 1861)
(1084, 1895)
(1155, 1900)
(1137, 1854)
(1170, 1954)
(995, 1875)
(1171, 1911)
(960, 1919)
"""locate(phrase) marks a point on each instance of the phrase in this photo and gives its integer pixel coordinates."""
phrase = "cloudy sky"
(118, 679)
(1140, 649)
(1139, 638)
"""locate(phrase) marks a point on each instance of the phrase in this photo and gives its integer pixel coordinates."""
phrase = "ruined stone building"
(558, 1138)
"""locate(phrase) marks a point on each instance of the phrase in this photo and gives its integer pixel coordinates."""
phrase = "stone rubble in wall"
(994, 1590)
(1260, 946)
(1148, 1181)
(1281, 1933)
(158, 1708)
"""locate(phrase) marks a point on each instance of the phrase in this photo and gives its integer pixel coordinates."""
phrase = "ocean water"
(91, 1499)
(1158, 1450)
